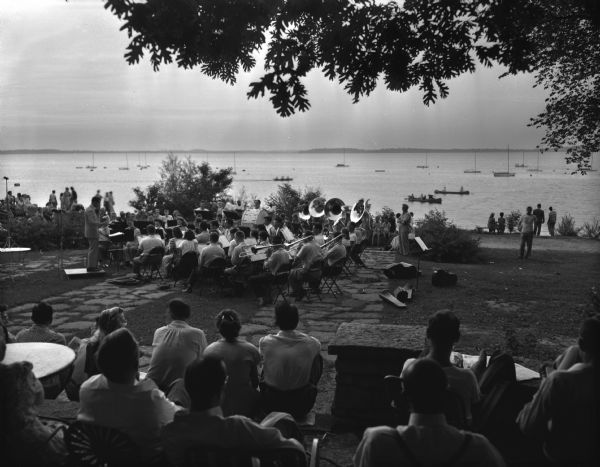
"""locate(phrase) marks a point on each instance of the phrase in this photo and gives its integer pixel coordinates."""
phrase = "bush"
(447, 243)
(512, 220)
(591, 229)
(566, 227)
(287, 200)
(39, 234)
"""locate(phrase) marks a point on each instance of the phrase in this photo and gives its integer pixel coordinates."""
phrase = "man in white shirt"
(116, 399)
(212, 251)
(205, 424)
(261, 283)
(427, 439)
(175, 346)
(526, 226)
(147, 244)
(292, 366)
(309, 255)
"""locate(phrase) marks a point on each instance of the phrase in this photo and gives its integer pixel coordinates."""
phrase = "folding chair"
(313, 280)
(281, 284)
(214, 273)
(153, 262)
(329, 278)
(187, 264)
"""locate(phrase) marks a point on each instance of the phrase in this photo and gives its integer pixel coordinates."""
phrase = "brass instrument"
(316, 208)
(304, 214)
(255, 249)
(330, 242)
(358, 211)
(334, 209)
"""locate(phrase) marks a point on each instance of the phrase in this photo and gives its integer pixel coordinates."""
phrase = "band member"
(309, 256)
(92, 223)
(335, 253)
(240, 246)
(270, 228)
(132, 237)
(318, 234)
(159, 229)
(261, 283)
(263, 238)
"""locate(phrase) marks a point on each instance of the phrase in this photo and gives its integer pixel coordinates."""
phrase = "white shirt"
(150, 242)
(287, 359)
(431, 441)
(463, 382)
(138, 410)
(174, 347)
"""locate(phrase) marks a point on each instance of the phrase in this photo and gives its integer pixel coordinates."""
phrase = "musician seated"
(292, 366)
(318, 235)
(203, 236)
(263, 238)
(270, 228)
(335, 253)
(215, 226)
(278, 224)
(261, 283)
(172, 252)
(212, 251)
(132, 237)
(147, 244)
(308, 256)
(253, 239)
(232, 242)
(240, 245)
(104, 241)
(159, 229)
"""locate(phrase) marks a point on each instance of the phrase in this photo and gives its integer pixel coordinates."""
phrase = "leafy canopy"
(288, 200)
(184, 185)
(363, 44)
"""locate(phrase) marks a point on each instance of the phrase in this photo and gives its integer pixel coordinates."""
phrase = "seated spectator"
(212, 251)
(24, 440)
(172, 252)
(147, 244)
(175, 346)
(442, 333)
(203, 235)
(427, 439)
(292, 366)
(241, 359)
(84, 365)
(564, 411)
(189, 242)
(205, 424)
(117, 399)
(41, 315)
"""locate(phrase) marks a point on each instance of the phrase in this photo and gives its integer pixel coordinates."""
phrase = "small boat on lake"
(474, 169)
(508, 173)
(449, 192)
(283, 179)
(379, 170)
(426, 166)
(424, 199)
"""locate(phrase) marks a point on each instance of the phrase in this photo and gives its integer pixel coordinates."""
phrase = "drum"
(287, 234)
(52, 363)
(249, 217)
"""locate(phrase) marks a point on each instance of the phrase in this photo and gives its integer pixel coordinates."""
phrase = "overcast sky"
(65, 84)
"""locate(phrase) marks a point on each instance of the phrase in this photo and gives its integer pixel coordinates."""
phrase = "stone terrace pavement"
(76, 310)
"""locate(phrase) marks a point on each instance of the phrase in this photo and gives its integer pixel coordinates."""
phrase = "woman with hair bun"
(85, 361)
(241, 359)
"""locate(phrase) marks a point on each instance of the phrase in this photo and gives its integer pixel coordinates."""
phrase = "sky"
(64, 84)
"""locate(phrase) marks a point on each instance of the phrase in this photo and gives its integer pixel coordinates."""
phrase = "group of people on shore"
(499, 225)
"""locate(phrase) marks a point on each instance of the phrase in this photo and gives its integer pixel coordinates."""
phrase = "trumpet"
(256, 249)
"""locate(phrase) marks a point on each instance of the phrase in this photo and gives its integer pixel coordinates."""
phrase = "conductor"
(92, 223)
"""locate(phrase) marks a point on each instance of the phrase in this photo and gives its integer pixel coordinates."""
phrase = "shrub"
(512, 220)
(591, 229)
(288, 200)
(447, 243)
(566, 227)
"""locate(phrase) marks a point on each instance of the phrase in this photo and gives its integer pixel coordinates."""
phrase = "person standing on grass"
(551, 221)
(526, 226)
(52, 199)
(404, 227)
(501, 223)
(540, 218)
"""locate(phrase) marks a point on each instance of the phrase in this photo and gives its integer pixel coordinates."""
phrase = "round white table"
(51, 363)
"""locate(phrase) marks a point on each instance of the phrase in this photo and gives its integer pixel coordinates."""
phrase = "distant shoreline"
(270, 151)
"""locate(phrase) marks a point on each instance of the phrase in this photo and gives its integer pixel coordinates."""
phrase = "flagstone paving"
(76, 310)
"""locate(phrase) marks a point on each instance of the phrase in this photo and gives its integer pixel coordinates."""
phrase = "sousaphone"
(334, 209)
(304, 214)
(358, 211)
(316, 208)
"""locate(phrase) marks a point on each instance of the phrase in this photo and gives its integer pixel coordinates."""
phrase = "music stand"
(422, 249)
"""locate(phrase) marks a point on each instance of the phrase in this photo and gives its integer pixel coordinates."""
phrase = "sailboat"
(145, 166)
(537, 169)
(508, 173)
(424, 166)
(91, 167)
(234, 167)
(522, 164)
(343, 164)
(127, 162)
(474, 169)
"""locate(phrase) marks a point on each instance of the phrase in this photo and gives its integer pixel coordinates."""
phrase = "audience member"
(203, 236)
(212, 251)
(564, 412)
(117, 399)
(175, 346)
(41, 315)
(205, 423)
(443, 332)
(189, 242)
(132, 244)
(24, 440)
(292, 366)
(427, 439)
(8, 337)
(241, 359)
(85, 365)
(172, 252)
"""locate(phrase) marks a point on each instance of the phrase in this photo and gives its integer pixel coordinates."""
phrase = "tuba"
(334, 209)
(358, 210)
(304, 214)
(316, 208)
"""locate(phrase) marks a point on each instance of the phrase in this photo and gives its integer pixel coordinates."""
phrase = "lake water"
(554, 186)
